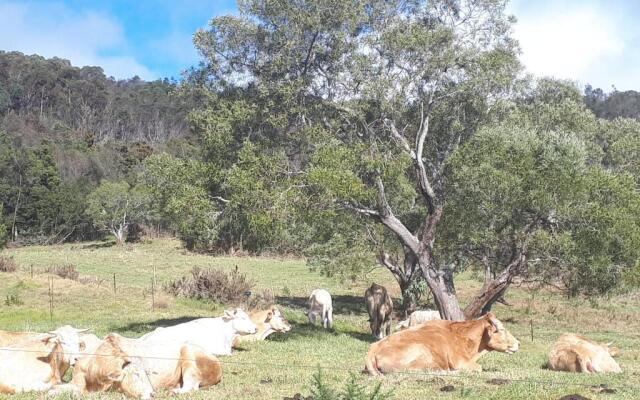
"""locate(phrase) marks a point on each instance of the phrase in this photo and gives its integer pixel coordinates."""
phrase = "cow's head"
(277, 322)
(612, 350)
(240, 321)
(132, 379)
(69, 338)
(376, 326)
(496, 336)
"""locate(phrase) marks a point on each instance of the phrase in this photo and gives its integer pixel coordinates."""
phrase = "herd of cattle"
(182, 358)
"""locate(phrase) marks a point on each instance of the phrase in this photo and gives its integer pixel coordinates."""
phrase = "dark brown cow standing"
(379, 306)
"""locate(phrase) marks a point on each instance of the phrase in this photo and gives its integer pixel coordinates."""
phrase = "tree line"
(357, 133)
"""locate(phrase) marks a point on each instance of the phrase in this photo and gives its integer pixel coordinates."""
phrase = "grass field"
(284, 364)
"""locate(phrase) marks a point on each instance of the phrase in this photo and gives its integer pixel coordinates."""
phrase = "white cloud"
(85, 38)
(578, 40)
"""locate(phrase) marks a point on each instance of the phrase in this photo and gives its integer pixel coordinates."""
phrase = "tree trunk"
(408, 300)
(489, 294)
(494, 289)
(444, 293)
(120, 233)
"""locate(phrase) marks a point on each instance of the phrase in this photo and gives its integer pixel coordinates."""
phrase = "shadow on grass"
(102, 245)
(350, 305)
(144, 327)
(305, 331)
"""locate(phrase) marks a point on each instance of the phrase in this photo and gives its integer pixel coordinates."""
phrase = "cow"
(139, 368)
(215, 335)
(379, 307)
(109, 367)
(267, 322)
(440, 346)
(40, 363)
(320, 303)
(419, 317)
(575, 353)
(8, 338)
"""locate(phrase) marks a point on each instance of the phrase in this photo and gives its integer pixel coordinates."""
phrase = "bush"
(13, 300)
(67, 271)
(8, 264)
(212, 284)
(352, 390)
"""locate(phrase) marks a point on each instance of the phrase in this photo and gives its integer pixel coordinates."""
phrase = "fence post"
(114, 286)
(31, 270)
(153, 295)
(51, 298)
(531, 327)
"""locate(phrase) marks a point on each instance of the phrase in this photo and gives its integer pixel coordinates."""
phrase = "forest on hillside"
(428, 156)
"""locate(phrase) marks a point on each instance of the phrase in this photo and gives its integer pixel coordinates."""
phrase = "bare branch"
(361, 210)
(390, 221)
(222, 199)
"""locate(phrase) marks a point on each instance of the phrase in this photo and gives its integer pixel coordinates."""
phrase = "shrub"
(13, 300)
(212, 284)
(7, 264)
(67, 271)
(351, 391)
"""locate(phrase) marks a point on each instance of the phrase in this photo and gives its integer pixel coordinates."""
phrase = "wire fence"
(455, 375)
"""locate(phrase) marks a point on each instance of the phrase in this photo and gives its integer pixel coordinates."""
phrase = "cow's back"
(212, 334)
(575, 353)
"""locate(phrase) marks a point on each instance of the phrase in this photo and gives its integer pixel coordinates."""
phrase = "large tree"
(370, 100)
(114, 206)
(392, 86)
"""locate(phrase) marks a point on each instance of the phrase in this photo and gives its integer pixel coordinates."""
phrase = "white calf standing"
(320, 303)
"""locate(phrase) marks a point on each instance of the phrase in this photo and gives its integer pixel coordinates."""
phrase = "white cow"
(38, 364)
(419, 317)
(320, 303)
(215, 335)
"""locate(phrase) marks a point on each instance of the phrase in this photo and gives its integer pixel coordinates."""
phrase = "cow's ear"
(269, 316)
(115, 376)
(83, 345)
(228, 314)
(47, 337)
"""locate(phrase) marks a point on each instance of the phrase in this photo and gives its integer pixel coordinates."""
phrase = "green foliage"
(3, 228)
(514, 187)
(115, 205)
(353, 390)
(179, 195)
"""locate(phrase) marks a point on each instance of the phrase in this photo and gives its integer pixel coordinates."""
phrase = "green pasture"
(284, 364)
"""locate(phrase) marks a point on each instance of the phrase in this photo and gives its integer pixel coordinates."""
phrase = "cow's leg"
(329, 317)
(388, 327)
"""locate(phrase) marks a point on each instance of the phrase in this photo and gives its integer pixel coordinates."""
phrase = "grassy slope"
(289, 361)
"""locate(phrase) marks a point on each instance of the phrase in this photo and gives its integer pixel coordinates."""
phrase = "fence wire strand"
(345, 368)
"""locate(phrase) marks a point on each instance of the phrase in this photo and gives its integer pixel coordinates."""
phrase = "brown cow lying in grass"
(575, 353)
(440, 346)
(138, 368)
(267, 322)
(38, 362)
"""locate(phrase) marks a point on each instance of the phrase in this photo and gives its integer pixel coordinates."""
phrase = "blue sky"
(589, 41)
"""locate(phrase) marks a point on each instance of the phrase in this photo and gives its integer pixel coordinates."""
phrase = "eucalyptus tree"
(369, 99)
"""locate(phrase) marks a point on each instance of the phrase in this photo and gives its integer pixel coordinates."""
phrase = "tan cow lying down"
(575, 353)
(38, 364)
(267, 322)
(440, 346)
(138, 368)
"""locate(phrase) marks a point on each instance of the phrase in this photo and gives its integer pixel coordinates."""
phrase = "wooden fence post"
(51, 298)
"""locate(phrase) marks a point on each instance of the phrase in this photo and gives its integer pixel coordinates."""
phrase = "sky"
(588, 41)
